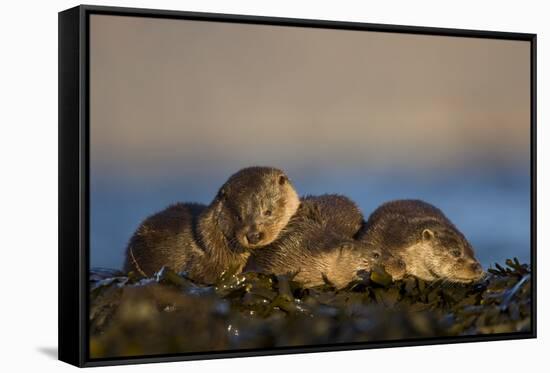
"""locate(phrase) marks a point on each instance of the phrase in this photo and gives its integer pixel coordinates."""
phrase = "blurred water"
(491, 207)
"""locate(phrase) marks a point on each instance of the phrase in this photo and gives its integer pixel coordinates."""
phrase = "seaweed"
(169, 313)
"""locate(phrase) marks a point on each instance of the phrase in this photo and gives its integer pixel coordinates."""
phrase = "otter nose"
(476, 267)
(254, 237)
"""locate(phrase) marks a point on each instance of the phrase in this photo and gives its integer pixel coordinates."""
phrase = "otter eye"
(239, 218)
(456, 253)
(267, 212)
(376, 255)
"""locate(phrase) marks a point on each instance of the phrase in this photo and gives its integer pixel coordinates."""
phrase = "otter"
(431, 247)
(317, 246)
(249, 211)
(337, 211)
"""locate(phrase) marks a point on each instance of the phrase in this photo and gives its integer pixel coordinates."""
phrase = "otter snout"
(396, 267)
(255, 237)
(476, 268)
(467, 271)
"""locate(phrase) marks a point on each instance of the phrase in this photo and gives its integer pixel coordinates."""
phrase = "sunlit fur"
(343, 263)
(257, 200)
(317, 246)
(425, 239)
(432, 257)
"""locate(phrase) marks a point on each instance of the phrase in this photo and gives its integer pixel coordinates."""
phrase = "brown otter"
(425, 239)
(338, 212)
(249, 211)
(318, 246)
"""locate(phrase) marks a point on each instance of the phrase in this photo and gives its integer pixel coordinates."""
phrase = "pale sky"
(191, 93)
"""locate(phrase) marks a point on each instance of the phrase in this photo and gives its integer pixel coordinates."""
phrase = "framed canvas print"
(238, 186)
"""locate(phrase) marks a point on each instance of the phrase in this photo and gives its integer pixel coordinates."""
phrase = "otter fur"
(338, 212)
(249, 211)
(317, 245)
(431, 247)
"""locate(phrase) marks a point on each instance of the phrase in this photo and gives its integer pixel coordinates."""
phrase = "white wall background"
(28, 182)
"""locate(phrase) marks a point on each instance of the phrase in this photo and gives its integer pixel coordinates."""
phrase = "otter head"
(442, 252)
(394, 265)
(254, 205)
(372, 257)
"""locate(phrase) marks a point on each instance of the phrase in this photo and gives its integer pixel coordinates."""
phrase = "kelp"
(169, 313)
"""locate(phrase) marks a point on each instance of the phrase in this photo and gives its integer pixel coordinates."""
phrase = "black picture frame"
(74, 188)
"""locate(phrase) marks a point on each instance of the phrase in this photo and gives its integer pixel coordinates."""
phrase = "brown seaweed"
(169, 313)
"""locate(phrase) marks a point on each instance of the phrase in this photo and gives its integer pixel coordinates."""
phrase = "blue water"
(491, 207)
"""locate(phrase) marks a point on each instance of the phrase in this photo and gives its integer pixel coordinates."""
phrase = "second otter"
(318, 246)
(249, 211)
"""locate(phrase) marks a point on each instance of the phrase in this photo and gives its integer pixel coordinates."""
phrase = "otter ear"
(283, 179)
(427, 234)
